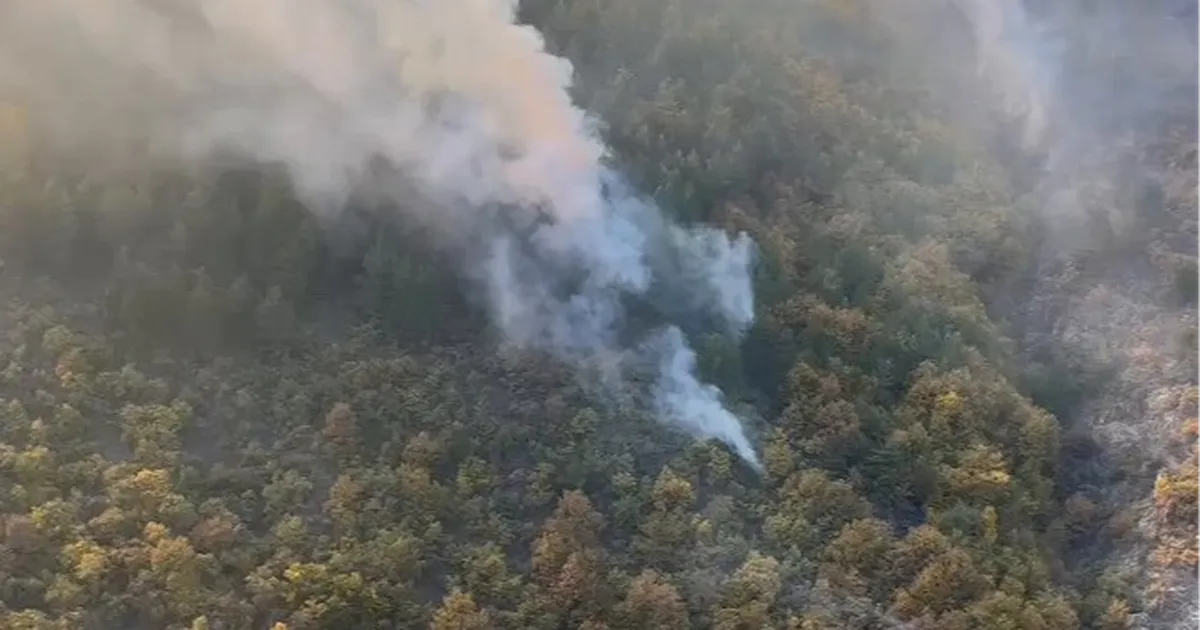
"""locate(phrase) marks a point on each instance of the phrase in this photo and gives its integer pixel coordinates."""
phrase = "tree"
(568, 563)
(949, 581)
(667, 531)
(652, 602)
(749, 595)
(459, 612)
(153, 431)
(341, 430)
(485, 571)
(857, 558)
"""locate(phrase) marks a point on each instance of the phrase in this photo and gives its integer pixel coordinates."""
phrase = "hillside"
(970, 377)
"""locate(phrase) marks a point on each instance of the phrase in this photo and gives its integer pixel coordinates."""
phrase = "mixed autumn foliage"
(217, 411)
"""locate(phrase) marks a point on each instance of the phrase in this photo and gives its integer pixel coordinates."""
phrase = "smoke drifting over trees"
(454, 96)
(359, 313)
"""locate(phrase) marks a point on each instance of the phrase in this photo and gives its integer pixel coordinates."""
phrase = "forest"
(971, 378)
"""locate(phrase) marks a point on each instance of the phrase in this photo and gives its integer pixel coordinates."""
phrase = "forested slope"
(220, 410)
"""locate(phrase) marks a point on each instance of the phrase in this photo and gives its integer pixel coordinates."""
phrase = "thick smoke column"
(463, 105)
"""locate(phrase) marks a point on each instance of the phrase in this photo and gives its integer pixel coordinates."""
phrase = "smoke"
(1107, 91)
(1092, 86)
(447, 108)
(1005, 52)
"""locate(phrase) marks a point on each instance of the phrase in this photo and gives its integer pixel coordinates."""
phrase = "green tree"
(459, 612)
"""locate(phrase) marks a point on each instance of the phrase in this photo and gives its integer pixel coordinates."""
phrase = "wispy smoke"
(1092, 83)
(1081, 76)
(1005, 52)
(1100, 87)
(463, 105)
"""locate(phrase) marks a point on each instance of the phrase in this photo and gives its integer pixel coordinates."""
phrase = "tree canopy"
(217, 413)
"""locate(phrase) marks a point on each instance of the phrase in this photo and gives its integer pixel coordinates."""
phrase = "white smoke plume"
(453, 97)
(1004, 52)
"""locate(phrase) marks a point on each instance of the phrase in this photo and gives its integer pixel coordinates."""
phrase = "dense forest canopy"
(283, 382)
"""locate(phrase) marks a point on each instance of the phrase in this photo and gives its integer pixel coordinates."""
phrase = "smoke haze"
(1096, 90)
(464, 108)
